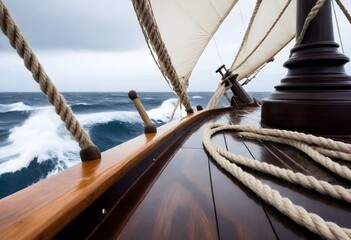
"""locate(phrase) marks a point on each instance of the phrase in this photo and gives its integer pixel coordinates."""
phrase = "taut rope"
(313, 222)
(18, 42)
(311, 15)
(152, 35)
(264, 37)
(212, 104)
(344, 10)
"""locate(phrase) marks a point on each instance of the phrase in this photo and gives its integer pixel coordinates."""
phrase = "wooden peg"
(149, 126)
(199, 108)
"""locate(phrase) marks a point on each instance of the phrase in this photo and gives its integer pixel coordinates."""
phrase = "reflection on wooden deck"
(185, 195)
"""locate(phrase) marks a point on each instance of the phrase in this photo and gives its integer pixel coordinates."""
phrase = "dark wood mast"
(315, 96)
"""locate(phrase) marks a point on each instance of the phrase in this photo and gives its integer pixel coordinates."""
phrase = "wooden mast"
(315, 96)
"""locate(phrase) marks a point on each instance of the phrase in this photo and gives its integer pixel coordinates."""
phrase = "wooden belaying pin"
(149, 126)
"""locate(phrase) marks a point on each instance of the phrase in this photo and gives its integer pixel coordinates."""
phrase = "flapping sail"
(271, 27)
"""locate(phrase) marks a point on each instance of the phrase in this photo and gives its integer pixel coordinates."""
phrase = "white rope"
(212, 104)
(174, 111)
(153, 37)
(313, 222)
(311, 15)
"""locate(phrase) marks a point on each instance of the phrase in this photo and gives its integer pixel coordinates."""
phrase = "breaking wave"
(42, 136)
(14, 107)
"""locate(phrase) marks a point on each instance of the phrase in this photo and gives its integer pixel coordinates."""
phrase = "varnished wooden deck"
(185, 195)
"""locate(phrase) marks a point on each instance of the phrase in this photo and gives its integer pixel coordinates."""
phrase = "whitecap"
(43, 137)
(196, 97)
(14, 107)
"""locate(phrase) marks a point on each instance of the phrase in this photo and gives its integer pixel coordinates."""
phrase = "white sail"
(186, 27)
(271, 27)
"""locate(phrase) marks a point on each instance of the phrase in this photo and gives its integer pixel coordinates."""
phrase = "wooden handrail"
(43, 209)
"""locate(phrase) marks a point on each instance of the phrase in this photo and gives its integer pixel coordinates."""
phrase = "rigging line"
(10, 29)
(148, 24)
(257, 6)
(344, 10)
(219, 55)
(268, 32)
(241, 14)
(337, 26)
(311, 15)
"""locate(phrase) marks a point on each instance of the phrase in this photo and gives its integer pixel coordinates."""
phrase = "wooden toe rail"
(43, 209)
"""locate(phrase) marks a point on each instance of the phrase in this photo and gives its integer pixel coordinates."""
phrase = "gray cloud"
(103, 25)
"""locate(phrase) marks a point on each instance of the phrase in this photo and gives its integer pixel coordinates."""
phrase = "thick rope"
(216, 98)
(152, 35)
(17, 41)
(248, 79)
(311, 15)
(344, 10)
(264, 37)
(253, 16)
(174, 111)
(313, 222)
(185, 84)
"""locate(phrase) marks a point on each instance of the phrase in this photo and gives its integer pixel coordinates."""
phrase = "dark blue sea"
(34, 144)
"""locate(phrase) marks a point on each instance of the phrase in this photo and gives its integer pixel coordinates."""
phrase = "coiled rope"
(18, 42)
(313, 222)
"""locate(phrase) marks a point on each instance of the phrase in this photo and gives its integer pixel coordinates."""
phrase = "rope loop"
(230, 162)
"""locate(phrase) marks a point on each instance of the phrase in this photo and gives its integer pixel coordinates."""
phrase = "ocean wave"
(164, 112)
(197, 97)
(14, 107)
(42, 136)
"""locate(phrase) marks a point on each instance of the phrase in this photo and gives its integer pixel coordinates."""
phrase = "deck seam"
(213, 198)
(269, 220)
(263, 206)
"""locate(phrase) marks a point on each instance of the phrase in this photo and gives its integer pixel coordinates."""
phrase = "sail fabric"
(272, 26)
(186, 27)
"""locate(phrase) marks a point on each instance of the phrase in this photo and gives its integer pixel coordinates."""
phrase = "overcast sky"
(87, 45)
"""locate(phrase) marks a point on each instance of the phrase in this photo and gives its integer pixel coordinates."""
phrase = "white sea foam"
(14, 107)
(82, 104)
(164, 112)
(89, 120)
(43, 136)
(196, 97)
(161, 113)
